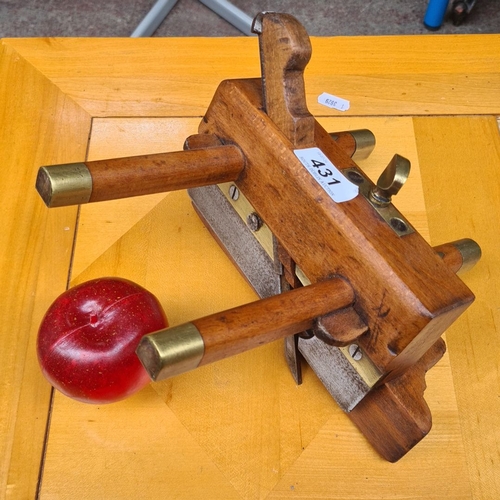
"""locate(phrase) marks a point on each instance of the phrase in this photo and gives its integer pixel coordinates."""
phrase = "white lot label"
(338, 187)
(334, 102)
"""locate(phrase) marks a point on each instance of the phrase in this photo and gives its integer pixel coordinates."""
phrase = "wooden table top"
(239, 428)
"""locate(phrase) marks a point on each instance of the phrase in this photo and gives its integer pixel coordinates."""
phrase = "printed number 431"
(324, 172)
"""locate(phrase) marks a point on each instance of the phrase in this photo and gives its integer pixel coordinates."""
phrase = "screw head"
(355, 352)
(234, 192)
(254, 222)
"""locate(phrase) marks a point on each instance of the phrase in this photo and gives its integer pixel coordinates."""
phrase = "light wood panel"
(461, 175)
(132, 465)
(379, 75)
(38, 125)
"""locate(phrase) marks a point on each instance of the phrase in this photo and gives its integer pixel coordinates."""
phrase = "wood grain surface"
(239, 428)
(469, 200)
(232, 332)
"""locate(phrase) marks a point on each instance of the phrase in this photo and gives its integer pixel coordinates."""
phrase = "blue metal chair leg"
(434, 15)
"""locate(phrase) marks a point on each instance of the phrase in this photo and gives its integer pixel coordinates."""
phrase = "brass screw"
(355, 352)
(234, 192)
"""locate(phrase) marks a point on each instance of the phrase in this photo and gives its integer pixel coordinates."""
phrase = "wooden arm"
(185, 347)
(111, 179)
(87, 182)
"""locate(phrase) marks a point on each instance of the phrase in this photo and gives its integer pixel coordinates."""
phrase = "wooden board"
(385, 75)
(239, 428)
(39, 125)
(467, 201)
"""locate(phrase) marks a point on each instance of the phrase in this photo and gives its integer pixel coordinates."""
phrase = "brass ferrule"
(172, 351)
(470, 252)
(64, 185)
(365, 142)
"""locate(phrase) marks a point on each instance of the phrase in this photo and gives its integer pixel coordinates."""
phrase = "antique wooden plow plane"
(342, 275)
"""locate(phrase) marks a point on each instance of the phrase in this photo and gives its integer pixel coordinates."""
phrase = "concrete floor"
(116, 18)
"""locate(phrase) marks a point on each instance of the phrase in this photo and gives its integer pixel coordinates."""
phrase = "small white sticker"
(329, 177)
(334, 102)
